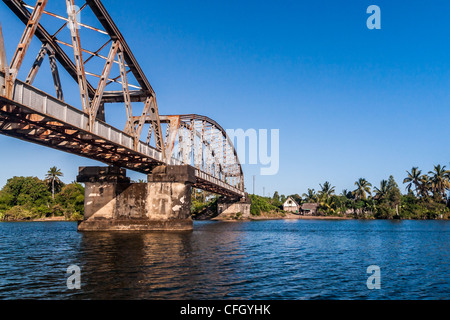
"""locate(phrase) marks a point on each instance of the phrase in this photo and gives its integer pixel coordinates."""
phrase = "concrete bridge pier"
(233, 208)
(113, 203)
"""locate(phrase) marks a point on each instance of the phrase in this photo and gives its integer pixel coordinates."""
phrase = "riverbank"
(46, 219)
(281, 216)
(51, 219)
(296, 216)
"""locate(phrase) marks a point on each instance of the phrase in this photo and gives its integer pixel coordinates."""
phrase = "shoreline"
(47, 219)
(51, 219)
(297, 217)
(288, 216)
(300, 217)
(251, 218)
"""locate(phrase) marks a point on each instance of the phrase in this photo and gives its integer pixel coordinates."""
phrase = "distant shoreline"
(298, 217)
(322, 218)
(47, 219)
(251, 218)
(288, 216)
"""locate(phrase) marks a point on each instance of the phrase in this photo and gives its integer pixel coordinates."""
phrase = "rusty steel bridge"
(36, 116)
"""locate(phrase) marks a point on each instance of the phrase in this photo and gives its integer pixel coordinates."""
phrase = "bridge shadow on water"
(156, 265)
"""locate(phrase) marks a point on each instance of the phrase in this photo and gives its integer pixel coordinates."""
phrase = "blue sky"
(349, 102)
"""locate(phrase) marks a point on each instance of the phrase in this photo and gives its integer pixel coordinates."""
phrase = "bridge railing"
(45, 104)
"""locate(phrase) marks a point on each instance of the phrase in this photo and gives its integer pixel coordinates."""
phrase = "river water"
(278, 259)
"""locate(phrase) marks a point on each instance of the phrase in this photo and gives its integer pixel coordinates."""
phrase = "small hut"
(310, 209)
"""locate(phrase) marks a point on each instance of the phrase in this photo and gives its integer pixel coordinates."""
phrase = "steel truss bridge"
(106, 73)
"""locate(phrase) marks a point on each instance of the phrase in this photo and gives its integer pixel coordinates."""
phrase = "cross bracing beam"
(37, 117)
(190, 139)
(18, 7)
(76, 65)
(25, 40)
(78, 55)
(201, 142)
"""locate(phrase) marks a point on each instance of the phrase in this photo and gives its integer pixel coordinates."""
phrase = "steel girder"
(202, 143)
(91, 97)
(190, 139)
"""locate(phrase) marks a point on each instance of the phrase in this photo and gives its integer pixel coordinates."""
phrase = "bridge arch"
(199, 141)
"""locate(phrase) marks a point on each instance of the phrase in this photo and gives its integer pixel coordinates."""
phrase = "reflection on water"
(245, 260)
(159, 265)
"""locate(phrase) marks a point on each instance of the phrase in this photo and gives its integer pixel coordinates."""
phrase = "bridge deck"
(37, 117)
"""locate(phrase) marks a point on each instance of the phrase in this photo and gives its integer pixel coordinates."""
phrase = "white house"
(291, 205)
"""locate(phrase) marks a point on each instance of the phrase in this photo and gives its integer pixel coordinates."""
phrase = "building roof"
(287, 204)
(310, 206)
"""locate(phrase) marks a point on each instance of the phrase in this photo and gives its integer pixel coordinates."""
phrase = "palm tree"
(52, 177)
(362, 188)
(310, 196)
(413, 178)
(347, 193)
(382, 191)
(439, 180)
(327, 190)
(424, 186)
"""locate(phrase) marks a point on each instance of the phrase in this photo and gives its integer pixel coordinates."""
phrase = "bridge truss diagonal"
(105, 72)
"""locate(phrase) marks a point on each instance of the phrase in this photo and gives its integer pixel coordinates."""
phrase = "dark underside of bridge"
(19, 121)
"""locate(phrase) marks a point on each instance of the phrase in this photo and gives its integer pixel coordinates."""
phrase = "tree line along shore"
(426, 197)
(30, 198)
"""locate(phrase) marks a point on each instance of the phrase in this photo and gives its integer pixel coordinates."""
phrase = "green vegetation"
(427, 197)
(261, 205)
(203, 204)
(27, 198)
(52, 178)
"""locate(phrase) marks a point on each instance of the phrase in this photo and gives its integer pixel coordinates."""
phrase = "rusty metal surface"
(32, 115)
(110, 27)
(217, 157)
(25, 40)
(37, 117)
(18, 7)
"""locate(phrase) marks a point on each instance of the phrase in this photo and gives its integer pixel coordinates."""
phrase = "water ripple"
(248, 260)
